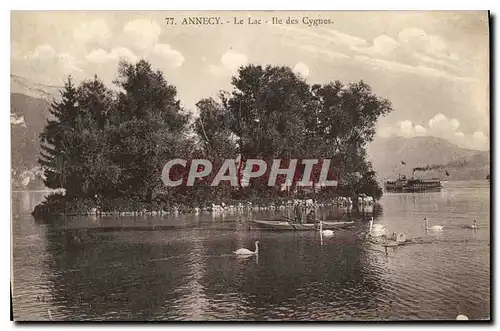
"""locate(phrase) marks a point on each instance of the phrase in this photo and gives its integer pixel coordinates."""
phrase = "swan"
(377, 230)
(399, 238)
(473, 226)
(244, 251)
(326, 233)
(432, 228)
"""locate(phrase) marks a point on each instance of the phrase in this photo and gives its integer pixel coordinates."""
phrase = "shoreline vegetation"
(106, 147)
(56, 205)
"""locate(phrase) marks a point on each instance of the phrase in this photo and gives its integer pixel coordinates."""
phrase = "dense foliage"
(110, 144)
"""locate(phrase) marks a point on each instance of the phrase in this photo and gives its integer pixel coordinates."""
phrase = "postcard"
(250, 166)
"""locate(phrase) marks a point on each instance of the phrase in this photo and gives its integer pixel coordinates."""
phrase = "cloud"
(413, 51)
(428, 48)
(93, 31)
(403, 128)
(425, 58)
(141, 37)
(438, 126)
(412, 131)
(441, 123)
(116, 54)
(167, 55)
(105, 63)
(341, 38)
(143, 34)
(302, 69)
(481, 140)
(162, 56)
(43, 64)
(42, 52)
(68, 63)
(327, 39)
(233, 60)
(406, 68)
(230, 62)
(418, 40)
(477, 140)
(323, 51)
(382, 46)
(98, 56)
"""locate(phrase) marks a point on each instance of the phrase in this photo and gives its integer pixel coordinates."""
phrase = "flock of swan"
(376, 231)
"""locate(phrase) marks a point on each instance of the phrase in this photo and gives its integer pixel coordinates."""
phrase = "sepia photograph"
(250, 166)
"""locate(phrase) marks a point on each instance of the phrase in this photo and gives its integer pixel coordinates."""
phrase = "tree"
(150, 128)
(267, 109)
(59, 147)
(102, 143)
(96, 103)
(75, 144)
(346, 118)
(212, 129)
(265, 113)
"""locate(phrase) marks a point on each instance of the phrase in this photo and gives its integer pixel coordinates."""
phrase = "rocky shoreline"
(58, 205)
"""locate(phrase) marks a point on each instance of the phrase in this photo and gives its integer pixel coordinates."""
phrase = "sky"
(432, 66)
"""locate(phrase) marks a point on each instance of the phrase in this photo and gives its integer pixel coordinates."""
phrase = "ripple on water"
(189, 273)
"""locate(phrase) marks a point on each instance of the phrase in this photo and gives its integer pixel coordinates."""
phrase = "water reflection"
(187, 272)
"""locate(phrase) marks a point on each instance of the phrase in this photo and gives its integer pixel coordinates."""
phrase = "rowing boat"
(336, 225)
(284, 225)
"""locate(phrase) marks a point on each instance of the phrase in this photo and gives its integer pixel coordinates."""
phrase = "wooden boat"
(282, 225)
(285, 225)
(327, 225)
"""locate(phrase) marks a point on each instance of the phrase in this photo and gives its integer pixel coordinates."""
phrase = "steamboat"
(403, 184)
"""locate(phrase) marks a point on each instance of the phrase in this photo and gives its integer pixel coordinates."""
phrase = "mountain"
(30, 103)
(386, 155)
(24, 86)
(29, 111)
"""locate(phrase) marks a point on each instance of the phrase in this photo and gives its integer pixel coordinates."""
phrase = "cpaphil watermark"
(274, 172)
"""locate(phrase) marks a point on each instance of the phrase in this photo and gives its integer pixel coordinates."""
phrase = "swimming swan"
(244, 251)
(473, 226)
(377, 230)
(398, 237)
(326, 233)
(432, 228)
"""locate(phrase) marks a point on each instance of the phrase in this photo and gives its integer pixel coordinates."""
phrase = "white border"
(254, 5)
(186, 5)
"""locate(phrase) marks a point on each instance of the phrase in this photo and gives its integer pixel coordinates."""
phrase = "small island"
(105, 146)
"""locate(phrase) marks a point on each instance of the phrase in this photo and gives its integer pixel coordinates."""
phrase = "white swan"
(473, 226)
(432, 228)
(326, 233)
(244, 251)
(398, 237)
(377, 230)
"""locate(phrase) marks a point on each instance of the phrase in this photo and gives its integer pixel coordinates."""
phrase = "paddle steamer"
(402, 184)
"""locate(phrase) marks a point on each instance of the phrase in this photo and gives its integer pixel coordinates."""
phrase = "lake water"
(187, 272)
